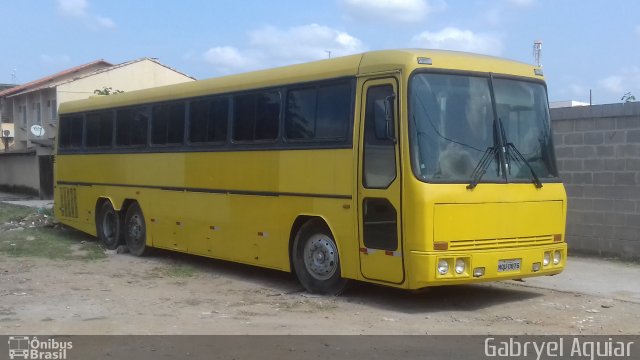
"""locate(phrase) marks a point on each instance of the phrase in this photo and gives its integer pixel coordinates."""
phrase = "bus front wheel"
(108, 226)
(136, 231)
(316, 261)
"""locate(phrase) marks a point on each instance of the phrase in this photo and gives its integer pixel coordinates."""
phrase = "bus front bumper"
(427, 268)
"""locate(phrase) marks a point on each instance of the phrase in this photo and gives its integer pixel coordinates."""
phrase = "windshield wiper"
(512, 153)
(481, 167)
(489, 154)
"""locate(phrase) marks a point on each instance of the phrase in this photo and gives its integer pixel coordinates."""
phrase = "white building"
(27, 165)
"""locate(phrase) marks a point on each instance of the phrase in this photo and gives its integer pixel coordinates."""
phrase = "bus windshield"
(453, 124)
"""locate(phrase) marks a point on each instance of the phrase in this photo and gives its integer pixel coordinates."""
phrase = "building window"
(38, 114)
(23, 109)
(54, 110)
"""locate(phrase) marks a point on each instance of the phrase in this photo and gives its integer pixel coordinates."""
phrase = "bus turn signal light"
(440, 245)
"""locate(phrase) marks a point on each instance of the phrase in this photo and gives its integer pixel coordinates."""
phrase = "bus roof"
(352, 65)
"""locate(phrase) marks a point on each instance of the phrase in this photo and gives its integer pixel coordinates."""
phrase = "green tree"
(628, 97)
(107, 91)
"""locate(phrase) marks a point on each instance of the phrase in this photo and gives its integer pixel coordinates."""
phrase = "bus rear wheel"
(316, 261)
(135, 234)
(108, 226)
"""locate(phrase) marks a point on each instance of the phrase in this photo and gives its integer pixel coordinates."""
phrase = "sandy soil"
(180, 294)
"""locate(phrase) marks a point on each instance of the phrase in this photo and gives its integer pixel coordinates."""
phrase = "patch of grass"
(50, 243)
(42, 241)
(10, 212)
(176, 270)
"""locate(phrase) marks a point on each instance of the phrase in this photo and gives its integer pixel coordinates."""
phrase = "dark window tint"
(318, 113)
(99, 129)
(71, 128)
(167, 124)
(380, 230)
(300, 120)
(334, 104)
(208, 120)
(131, 127)
(256, 116)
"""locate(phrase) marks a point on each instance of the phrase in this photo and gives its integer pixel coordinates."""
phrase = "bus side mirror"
(389, 117)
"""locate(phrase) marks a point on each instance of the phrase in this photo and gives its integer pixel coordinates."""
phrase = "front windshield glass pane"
(522, 107)
(451, 127)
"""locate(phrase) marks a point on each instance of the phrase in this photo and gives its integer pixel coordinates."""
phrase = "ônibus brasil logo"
(25, 347)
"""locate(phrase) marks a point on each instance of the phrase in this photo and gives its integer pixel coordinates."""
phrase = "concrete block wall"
(598, 151)
(20, 173)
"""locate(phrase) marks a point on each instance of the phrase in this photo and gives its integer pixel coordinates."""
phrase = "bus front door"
(379, 183)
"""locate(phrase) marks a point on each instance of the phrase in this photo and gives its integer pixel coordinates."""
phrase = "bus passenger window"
(208, 120)
(99, 131)
(132, 127)
(318, 113)
(300, 120)
(167, 124)
(71, 128)
(256, 116)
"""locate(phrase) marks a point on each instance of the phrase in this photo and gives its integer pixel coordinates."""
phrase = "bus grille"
(69, 202)
(488, 244)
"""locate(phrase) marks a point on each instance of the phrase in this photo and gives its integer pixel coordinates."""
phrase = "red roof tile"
(50, 78)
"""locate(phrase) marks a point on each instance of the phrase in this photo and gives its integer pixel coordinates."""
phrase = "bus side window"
(132, 127)
(71, 129)
(379, 150)
(256, 116)
(167, 124)
(99, 129)
(208, 120)
(318, 113)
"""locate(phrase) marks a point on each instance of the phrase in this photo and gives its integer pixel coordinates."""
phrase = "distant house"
(4, 87)
(27, 163)
(566, 103)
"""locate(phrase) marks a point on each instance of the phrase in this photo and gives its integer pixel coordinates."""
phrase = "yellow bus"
(407, 168)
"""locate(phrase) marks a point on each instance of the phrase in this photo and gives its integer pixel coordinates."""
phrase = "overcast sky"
(586, 44)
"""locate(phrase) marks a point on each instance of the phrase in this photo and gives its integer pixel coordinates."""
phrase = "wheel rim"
(109, 226)
(320, 257)
(135, 230)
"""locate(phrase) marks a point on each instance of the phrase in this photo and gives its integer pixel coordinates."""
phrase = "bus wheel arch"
(108, 224)
(314, 256)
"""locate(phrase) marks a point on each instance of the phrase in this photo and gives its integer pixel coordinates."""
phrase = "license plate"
(509, 265)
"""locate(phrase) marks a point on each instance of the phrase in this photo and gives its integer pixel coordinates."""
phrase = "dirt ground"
(57, 281)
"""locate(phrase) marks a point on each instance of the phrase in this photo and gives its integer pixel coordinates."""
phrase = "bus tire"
(135, 231)
(316, 261)
(108, 226)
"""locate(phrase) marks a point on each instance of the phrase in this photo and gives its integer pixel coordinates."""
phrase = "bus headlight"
(460, 266)
(443, 266)
(557, 256)
(547, 258)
